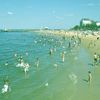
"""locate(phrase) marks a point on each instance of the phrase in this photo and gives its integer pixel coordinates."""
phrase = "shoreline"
(87, 38)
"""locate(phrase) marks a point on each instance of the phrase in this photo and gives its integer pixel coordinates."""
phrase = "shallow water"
(53, 79)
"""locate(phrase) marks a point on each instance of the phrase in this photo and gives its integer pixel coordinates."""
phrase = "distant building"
(98, 24)
(86, 22)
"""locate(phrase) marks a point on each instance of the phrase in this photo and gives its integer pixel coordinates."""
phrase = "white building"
(85, 22)
(98, 23)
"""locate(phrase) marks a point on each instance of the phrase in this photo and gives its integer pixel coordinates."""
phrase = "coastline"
(65, 76)
(87, 38)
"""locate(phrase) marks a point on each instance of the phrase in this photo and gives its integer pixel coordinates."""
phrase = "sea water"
(52, 79)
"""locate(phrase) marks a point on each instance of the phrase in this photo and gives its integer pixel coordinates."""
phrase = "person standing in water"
(89, 77)
(69, 44)
(63, 56)
(37, 62)
(20, 59)
(99, 58)
(51, 51)
(95, 58)
(5, 88)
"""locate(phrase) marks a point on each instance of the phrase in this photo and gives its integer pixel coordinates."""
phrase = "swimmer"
(20, 64)
(21, 59)
(15, 55)
(5, 87)
(6, 64)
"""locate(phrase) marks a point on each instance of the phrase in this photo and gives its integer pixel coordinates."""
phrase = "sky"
(55, 14)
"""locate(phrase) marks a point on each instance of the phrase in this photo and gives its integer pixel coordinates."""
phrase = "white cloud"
(10, 13)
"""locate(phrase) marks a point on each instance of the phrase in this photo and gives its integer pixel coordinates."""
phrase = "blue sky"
(50, 13)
